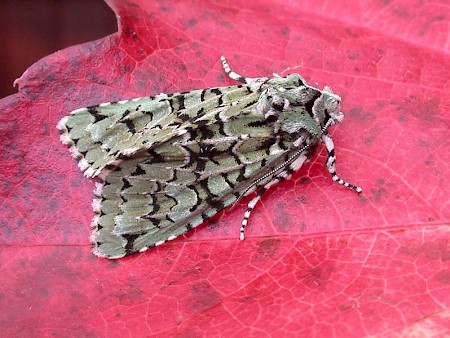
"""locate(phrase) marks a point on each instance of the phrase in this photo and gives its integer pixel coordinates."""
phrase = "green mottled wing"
(147, 201)
(104, 135)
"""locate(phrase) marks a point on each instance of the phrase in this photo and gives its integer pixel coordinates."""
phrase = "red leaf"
(318, 260)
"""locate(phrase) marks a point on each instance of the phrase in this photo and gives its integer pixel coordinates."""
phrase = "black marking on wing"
(97, 116)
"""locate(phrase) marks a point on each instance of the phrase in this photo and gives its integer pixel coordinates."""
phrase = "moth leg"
(233, 75)
(250, 207)
(285, 174)
(331, 163)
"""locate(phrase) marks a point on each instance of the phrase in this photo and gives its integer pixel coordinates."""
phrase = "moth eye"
(278, 106)
(272, 118)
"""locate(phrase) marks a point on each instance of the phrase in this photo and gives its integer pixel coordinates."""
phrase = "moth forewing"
(165, 164)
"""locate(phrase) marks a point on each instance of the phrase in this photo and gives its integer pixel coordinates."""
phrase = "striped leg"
(281, 176)
(331, 163)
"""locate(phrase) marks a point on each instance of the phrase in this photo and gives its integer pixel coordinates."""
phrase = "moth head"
(332, 105)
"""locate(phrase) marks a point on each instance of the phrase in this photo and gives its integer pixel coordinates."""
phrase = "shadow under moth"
(165, 164)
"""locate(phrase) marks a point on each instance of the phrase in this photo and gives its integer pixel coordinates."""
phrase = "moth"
(165, 164)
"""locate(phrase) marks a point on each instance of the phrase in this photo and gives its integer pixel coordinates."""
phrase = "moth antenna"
(233, 75)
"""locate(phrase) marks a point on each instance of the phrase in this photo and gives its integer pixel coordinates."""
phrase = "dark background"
(30, 30)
